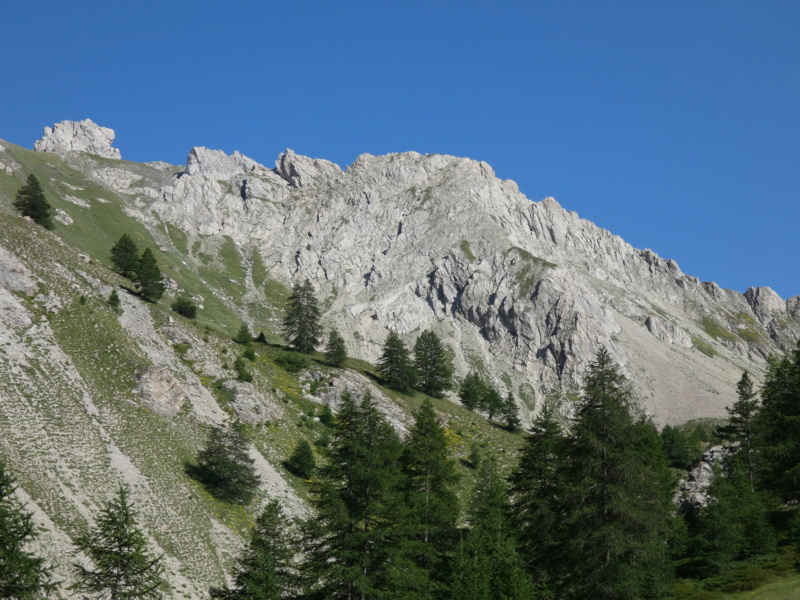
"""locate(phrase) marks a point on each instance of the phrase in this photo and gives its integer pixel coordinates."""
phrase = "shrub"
(294, 363)
(184, 306)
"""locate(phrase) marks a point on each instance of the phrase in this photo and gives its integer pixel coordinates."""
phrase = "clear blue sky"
(675, 125)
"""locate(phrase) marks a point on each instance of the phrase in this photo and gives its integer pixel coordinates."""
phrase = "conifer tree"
(434, 368)
(336, 351)
(113, 300)
(428, 506)
(511, 413)
(302, 462)
(243, 336)
(184, 306)
(224, 466)
(31, 202)
(122, 565)
(395, 366)
(618, 502)
(125, 257)
(266, 569)
(471, 391)
(741, 428)
(301, 323)
(148, 277)
(22, 574)
(347, 546)
(487, 564)
(491, 401)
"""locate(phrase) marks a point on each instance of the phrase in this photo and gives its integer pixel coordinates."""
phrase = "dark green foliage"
(326, 416)
(265, 570)
(537, 490)
(427, 508)
(778, 426)
(301, 323)
(676, 447)
(22, 574)
(148, 277)
(292, 362)
(471, 391)
(243, 336)
(487, 565)
(394, 365)
(302, 462)
(741, 428)
(347, 546)
(336, 351)
(261, 339)
(121, 563)
(113, 300)
(125, 257)
(240, 366)
(224, 466)
(475, 456)
(510, 413)
(433, 366)
(250, 354)
(184, 306)
(31, 202)
(617, 501)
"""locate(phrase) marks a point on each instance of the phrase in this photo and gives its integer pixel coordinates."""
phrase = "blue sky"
(675, 125)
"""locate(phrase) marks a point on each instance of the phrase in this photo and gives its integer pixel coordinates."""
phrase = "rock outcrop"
(78, 136)
(160, 392)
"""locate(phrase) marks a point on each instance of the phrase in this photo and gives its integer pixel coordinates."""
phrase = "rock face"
(693, 491)
(78, 136)
(160, 392)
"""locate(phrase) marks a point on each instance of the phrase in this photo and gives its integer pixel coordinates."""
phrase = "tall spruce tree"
(394, 365)
(336, 351)
(471, 391)
(266, 569)
(511, 413)
(31, 202)
(301, 323)
(125, 256)
(348, 545)
(427, 507)
(23, 575)
(122, 564)
(537, 488)
(224, 466)
(487, 564)
(618, 495)
(148, 277)
(741, 427)
(433, 365)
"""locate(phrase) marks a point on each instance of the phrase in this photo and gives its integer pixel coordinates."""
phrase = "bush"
(249, 354)
(326, 416)
(302, 462)
(242, 374)
(294, 363)
(184, 307)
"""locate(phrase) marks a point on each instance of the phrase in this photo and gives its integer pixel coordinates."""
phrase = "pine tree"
(487, 565)
(741, 428)
(537, 488)
(618, 502)
(224, 466)
(336, 351)
(394, 365)
(491, 402)
(122, 565)
(125, 257)
(427, 508)
(31, 202)
(434, 368)
(301, 324)
(22, 574)
(266, 569)
(148, 277)
(347, 546)
(302, 462)
(184, 306)
(113, 300)
(676, 447)
(511, 413)
(243, 336)
(471, 391)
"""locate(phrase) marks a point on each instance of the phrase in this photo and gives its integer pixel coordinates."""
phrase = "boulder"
(78, 136)
(159, 391)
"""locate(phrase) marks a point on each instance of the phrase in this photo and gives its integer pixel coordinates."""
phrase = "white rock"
(78, 136)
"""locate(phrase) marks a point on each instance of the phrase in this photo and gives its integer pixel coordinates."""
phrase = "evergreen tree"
(537, 489)
(148, 277)
(22, 574)
(618, 501)
(302, 462)
(336, 352)
(224, 466)
(113, 300)
(427, 508)
(434, 368)
(184, 306)
(347, 546)
(266, 569)
(487, 565)
(511, 413)
(778, 428)
(491, 401)
(676, 447)
(31, 202)
(125, 257)
(240, 366)
(243, 336)
(122, 565)
(471, 391)
(741, 428)
(301, 324)
(395, 366)
(326, 416)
